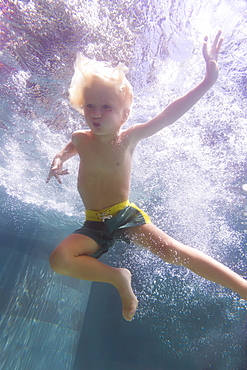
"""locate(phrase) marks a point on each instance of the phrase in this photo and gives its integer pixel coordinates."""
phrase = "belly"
(98, 193)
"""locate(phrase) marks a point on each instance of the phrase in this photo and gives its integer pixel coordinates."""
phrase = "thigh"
(77, 245)
(158, 242)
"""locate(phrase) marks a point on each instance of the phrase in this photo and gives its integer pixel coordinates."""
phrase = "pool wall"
(41, 313)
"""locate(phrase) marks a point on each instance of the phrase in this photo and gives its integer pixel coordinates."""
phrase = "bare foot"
(129, 300)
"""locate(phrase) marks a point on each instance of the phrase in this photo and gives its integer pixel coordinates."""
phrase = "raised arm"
(180, 106)
(56, 169)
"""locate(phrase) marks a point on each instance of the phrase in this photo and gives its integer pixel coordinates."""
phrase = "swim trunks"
(104, 226)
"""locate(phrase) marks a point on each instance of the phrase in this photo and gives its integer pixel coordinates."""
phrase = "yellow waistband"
(107, 213)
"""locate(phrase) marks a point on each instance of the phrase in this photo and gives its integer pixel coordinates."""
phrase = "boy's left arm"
(180, 106)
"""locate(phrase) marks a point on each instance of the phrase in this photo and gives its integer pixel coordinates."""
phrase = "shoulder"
(140, 131)
(79, 136)
(131, 134)
(127, 138)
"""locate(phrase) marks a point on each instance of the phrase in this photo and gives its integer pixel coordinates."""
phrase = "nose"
(96, 113)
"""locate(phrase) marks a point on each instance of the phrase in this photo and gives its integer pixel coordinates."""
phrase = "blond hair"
(87, 69)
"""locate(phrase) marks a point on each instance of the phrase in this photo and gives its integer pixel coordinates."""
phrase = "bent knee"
(59, 262)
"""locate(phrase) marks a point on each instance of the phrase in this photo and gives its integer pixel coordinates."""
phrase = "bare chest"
(104, 158)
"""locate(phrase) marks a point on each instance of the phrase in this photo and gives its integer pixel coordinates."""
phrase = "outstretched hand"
(57, 170)
(211, 56)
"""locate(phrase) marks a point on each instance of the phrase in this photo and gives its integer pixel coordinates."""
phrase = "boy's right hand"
(57, 170)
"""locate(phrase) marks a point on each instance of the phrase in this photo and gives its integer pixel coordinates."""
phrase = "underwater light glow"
(244, 187)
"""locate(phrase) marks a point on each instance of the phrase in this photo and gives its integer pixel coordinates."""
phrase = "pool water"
(190, 178)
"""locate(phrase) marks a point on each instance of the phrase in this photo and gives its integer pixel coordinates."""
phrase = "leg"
(71, 258)
(174, 252)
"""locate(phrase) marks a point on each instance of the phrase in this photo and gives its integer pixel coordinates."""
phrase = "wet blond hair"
(86, 70)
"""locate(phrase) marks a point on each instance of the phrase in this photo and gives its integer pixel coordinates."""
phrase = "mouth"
(96, 124)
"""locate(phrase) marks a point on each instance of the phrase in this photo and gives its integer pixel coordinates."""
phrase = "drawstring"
(103, 216)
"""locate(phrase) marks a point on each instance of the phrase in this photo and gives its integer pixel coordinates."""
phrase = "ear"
(126, 113)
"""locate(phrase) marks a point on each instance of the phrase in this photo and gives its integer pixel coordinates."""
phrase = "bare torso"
(104, 172)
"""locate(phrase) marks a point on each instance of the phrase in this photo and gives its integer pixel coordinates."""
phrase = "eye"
(106, 106)
(90, 106)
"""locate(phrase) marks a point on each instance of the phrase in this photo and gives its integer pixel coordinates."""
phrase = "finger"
(58, 178)
(216, 40)
(205, 47)
(63, 172)
(219, 45)
(49, 177)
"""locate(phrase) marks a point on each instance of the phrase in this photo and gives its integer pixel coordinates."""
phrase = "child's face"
(103, 109)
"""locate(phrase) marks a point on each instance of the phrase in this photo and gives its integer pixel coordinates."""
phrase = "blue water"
(189, 178)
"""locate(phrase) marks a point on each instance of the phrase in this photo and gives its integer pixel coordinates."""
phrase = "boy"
(104, 96)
